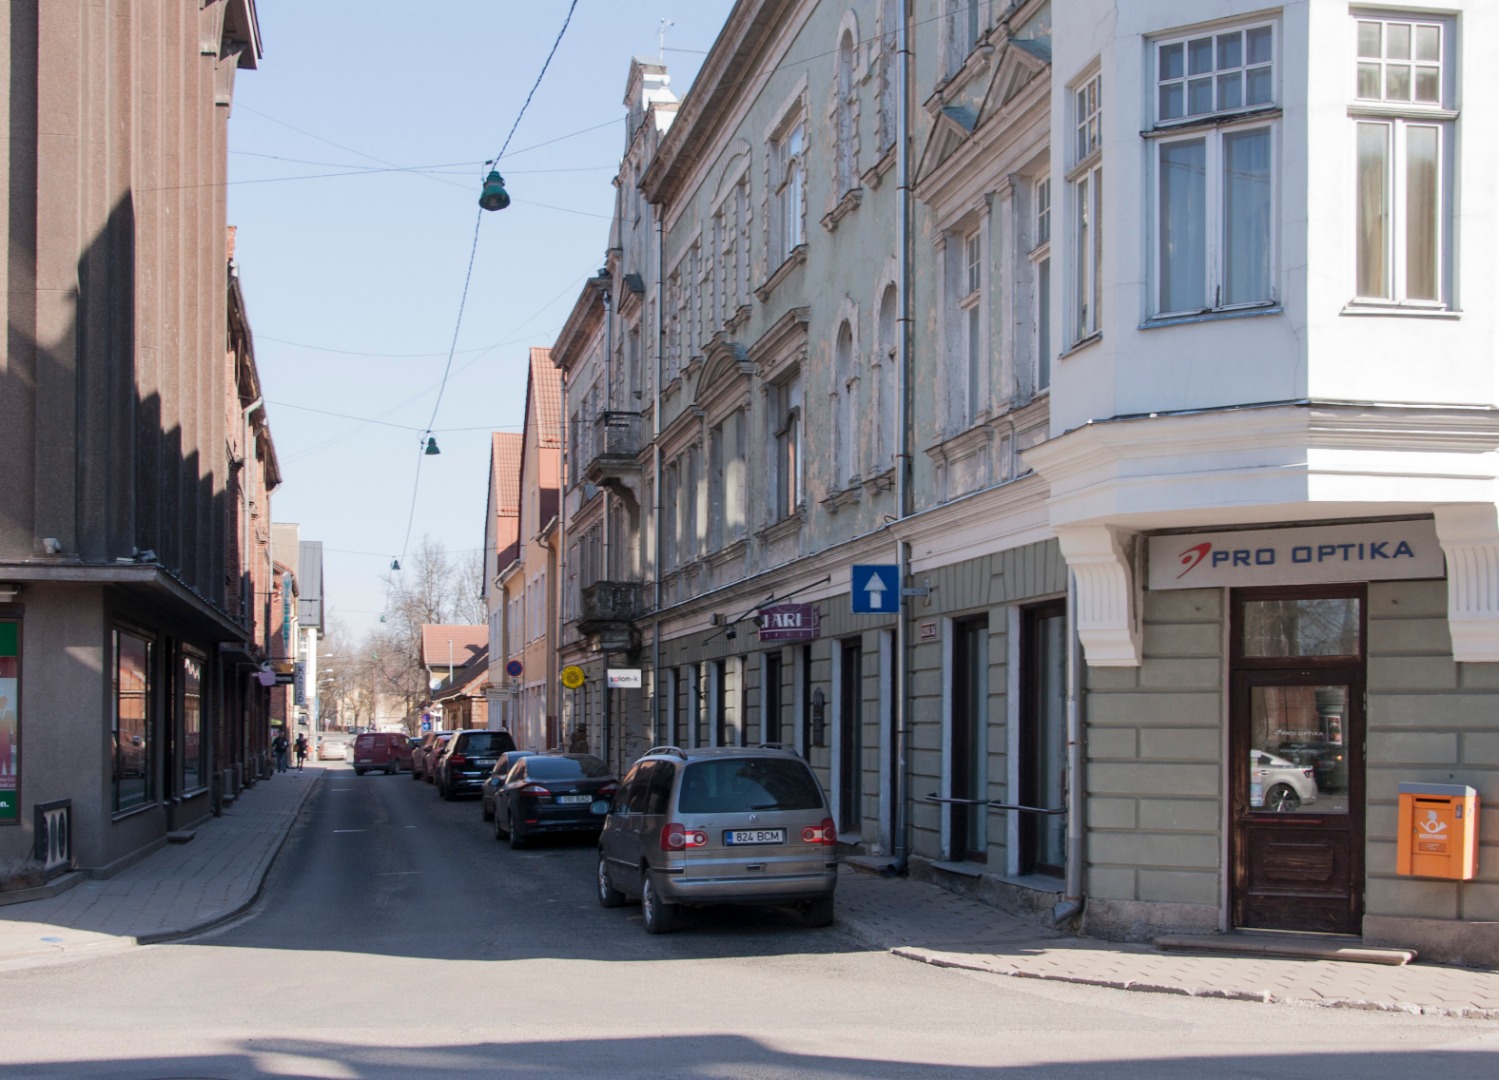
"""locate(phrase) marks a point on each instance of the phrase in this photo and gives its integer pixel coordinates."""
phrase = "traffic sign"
(513, 668)
(572, 676)
(426, 724)
(874, 588)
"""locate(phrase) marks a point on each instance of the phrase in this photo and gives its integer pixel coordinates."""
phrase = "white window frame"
(1085, 195)
(786, 444)
(1042, 299)
(788, 198)
(1225, 67)
(1401, 117)
(971, 306)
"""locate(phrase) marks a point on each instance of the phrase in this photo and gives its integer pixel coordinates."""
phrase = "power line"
(416, 485)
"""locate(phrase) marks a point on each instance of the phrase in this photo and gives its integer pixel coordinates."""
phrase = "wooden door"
(1296, 761)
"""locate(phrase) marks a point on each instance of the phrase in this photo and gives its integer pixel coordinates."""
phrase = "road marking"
(347, 830)
(398, 873)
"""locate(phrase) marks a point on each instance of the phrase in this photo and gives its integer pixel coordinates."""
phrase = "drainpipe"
(901, 827)
(656, 482)
(606, 736)
(1071, 905)
(562, 588)
(248, 602)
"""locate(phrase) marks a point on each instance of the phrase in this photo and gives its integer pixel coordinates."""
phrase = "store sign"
(624, 679)
(1377, 551)
(789, 622)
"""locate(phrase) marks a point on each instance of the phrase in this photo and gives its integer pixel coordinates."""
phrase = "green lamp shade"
(494, 196)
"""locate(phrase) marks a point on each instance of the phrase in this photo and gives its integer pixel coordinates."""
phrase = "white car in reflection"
(1279, 785)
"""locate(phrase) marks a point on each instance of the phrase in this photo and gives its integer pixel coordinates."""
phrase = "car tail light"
(1306, 773)
(457, 759)
(675, 837)
(826, 833)
(536, 791)
(608, 791)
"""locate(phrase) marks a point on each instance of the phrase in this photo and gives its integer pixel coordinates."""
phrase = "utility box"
(1438, 832)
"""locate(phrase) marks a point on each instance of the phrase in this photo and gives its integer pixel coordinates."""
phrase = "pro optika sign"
(1378, 551)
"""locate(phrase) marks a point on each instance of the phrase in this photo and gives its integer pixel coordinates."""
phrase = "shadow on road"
(719, 1056)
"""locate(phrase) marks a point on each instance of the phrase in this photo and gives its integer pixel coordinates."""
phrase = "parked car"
(1283, 785)
(718, 825)
(502, 766)
(467, 760)
(331, 748)
(424, 755)
(552, 792)
(383, 750)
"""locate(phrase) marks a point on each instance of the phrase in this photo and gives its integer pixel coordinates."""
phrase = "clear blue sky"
(356, 159)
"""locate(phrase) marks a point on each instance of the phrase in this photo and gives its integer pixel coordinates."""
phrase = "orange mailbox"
(1438, 831)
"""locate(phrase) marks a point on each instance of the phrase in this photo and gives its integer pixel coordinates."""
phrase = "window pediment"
(783, 345)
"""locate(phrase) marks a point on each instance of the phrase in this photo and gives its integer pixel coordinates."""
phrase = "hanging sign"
(1377, 551)
(789, 622)
(572, 676)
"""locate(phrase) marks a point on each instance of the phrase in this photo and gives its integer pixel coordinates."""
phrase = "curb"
(162, 937)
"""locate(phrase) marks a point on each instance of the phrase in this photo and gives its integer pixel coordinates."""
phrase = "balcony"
(607, 450)
(610, 609)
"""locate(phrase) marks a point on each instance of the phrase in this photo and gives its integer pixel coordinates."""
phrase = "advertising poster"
(10, 752)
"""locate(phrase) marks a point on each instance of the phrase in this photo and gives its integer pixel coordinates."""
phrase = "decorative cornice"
(1107, 612)
(1469, 535)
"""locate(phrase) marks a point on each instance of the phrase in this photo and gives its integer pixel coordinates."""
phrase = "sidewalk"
(189, 887)
(176, 890)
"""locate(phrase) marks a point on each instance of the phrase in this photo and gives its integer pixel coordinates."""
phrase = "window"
(726, 441)
(963, 26)
(10, 709)
(130, 721)
(1214, 177)
(1404, 133)
(886, 379)
(194, 746)
(968, 384)
(846, 119)
(1043, 737)
(973, 278)
(889, 44)
(788, 181)
(1087, 206)
(1041, 270)
(845, 410)
(786, 418)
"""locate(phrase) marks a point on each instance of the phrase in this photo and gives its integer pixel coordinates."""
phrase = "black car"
(553, 792)
(496, 778)
(467, 760)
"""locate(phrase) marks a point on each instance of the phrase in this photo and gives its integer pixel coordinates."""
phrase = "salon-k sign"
(1376, 551)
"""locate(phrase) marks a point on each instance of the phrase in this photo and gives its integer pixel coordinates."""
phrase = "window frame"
(788, 187)
(1085, 211)
(1400, 118)
(1215, 128)
(147, 794)
(12, 673)
(786, 445)
(1042, 298)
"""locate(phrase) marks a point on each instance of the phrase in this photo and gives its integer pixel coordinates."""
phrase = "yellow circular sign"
(572, 677)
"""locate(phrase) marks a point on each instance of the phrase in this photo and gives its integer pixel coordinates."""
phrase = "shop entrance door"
(1296, 735)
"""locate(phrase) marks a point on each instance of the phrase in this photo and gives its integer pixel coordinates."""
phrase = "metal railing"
(611, 434)
(995, 805)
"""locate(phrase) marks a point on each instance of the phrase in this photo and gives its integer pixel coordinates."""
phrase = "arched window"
(845, 409)
(887, 382)
(889, 41)
(846, 117)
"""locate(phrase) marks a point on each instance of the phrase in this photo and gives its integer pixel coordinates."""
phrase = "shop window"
(194, 743)
(130, 721)
(10, 727)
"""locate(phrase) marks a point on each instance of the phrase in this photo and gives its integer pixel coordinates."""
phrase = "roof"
(546, 386)
(504, 478)
(467, 681)
(467, 643)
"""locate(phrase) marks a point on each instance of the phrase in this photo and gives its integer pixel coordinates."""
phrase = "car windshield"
(564, 768)
(488, 742)
(737, 785)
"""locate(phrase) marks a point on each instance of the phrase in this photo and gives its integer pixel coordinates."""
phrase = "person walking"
(301, 751)
(279, 747)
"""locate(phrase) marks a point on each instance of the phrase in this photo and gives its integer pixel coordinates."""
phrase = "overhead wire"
(416, 485)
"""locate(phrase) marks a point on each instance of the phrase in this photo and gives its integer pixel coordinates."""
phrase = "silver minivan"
(719, 825)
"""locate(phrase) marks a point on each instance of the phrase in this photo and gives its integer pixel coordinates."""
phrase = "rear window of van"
(739, 785)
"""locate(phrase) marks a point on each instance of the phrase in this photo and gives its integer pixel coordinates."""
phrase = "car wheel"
(609, 896)
(390, 770)
(358, 772)
(414, 774)
(819, 913)
(444, 793)
(517, 839)
(486, 810)
(499, 828)
(660, 917)
(1281, 799)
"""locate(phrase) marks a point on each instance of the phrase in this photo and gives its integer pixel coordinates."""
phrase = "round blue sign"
(514, 668)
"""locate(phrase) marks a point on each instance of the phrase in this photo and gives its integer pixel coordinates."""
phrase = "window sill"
(848, 496)
(1399, 311)
(787, 526)
(121, 815)
(845, 206)
(1211, 316)
(797, 258)
(1080, 344)
(873, 175)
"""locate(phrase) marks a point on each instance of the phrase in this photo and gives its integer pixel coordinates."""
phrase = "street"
(396, 938)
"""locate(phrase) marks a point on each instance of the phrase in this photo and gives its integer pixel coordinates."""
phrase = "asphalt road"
(397, 938)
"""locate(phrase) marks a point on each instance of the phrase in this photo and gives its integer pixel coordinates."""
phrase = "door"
(968, 822)
(1043, 737)
(851, 736)
(1296, 781)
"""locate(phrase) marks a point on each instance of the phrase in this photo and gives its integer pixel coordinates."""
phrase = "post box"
(1438, 832)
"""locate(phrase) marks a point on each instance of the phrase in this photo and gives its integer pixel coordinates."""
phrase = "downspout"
(562, 586)
(656, 483)
(1071, 904)
(606, 737)
(247, 602)
(901, 827)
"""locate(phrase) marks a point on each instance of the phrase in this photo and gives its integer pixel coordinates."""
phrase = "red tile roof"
(467, 643)
(546, 389)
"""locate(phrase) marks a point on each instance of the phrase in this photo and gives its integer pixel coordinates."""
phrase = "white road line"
(348, 830)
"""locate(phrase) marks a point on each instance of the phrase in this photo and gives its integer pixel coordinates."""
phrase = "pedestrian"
(578, 743)
(279, 746)
(301, 751)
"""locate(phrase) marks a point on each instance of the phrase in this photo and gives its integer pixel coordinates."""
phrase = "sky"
(357, 154)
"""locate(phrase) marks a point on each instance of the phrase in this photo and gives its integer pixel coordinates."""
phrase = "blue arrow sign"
(874, 588)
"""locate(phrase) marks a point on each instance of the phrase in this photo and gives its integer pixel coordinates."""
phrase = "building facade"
(1090, 530)
(130, 449)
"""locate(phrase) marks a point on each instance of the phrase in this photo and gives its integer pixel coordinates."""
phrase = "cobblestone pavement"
(183, 888)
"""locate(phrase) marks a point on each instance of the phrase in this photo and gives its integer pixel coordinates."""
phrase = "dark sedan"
(467, 760)
(553, 792)
(496, 779)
